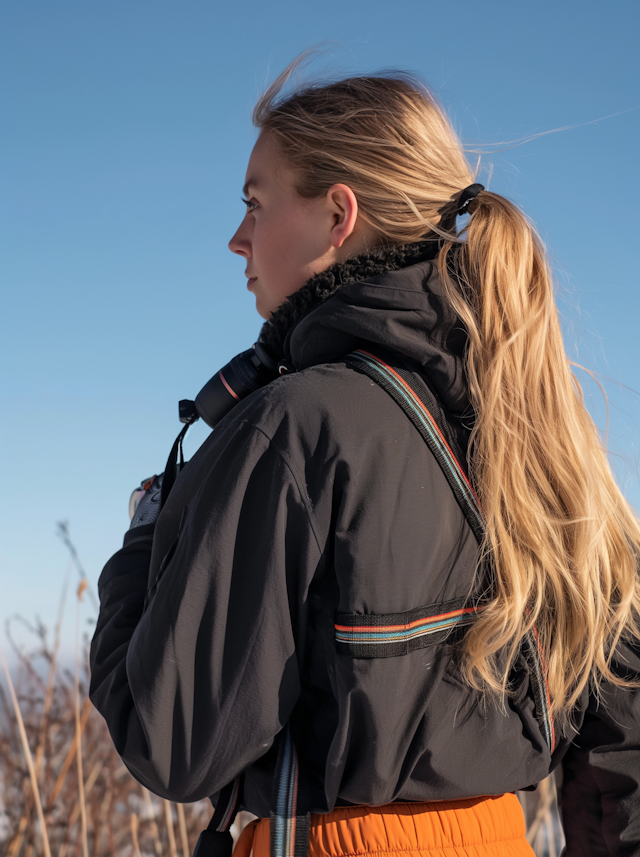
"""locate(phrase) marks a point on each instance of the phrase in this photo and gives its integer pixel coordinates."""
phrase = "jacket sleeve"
(601, 771)
(195, 688)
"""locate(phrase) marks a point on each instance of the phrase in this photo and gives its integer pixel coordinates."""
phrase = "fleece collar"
(391, 298)
(325, 284)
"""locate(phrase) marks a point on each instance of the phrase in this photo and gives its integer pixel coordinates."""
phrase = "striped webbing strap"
(216, 840)
(289, 824)
(396, 382)
(396, 385)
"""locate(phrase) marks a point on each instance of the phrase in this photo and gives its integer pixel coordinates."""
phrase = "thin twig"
(83, 809)
(63, 533)
(169, 819)
(93, 776)
(182, 822)
(86, 709)
(152, 823)
(134, 834)
(48, 697)
(27, 753)
(16, 843)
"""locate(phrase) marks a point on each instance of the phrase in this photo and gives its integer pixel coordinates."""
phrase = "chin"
(266, 305)
(262, 310)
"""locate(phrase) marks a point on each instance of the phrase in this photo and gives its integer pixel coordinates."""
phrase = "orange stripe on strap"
(425, 411)
(427, 620)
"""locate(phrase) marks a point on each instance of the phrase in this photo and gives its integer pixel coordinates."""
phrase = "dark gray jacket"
(317, 495)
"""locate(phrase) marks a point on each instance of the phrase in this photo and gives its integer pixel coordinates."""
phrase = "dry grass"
(56, 801)
(544, 828)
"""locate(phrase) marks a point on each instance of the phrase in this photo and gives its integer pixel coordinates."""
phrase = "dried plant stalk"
(152, 823)
(28, 757)
(16, 842)
(71, 753)
(134, 834)
(169, 819)
(182, 823)
(81, 795)
(48, 698)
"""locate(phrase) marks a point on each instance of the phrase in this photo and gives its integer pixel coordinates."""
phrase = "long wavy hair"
(563, 542)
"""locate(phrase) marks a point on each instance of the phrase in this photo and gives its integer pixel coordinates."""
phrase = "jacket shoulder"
(331, 395)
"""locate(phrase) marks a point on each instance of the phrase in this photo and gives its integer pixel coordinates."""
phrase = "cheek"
(307, 233)
(288, 249)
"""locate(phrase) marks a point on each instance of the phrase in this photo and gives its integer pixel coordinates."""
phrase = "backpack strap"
(289, 822)
(397, 382)
(216, 840)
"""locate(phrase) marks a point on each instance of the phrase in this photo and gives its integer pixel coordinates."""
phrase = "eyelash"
(249, 202)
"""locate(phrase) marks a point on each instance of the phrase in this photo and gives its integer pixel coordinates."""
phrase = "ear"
(344, 209)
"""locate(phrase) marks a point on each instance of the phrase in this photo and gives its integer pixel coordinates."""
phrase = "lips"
(251, 281)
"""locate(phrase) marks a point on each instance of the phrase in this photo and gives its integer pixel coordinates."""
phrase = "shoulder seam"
(300, 484)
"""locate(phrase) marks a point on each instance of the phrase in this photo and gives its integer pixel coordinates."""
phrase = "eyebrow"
(249, 183)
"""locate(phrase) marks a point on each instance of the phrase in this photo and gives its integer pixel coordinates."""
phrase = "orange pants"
(479, 827)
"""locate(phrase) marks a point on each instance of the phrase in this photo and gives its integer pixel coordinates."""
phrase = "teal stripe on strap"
(426, 420)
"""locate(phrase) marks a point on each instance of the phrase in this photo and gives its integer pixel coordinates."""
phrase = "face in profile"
(284, 238)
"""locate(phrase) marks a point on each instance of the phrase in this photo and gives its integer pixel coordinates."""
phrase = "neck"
(324, 285)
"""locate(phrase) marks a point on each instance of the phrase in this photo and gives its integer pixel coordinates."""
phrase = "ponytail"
(562, 540)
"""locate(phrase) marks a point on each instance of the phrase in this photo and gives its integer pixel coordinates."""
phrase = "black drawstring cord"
(173, 467)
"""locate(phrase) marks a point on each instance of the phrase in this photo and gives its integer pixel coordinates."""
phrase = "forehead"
(267, 168)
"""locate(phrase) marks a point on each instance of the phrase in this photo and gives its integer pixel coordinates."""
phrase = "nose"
(240, 242)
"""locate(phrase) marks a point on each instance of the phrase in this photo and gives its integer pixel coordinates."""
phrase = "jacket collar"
(391, 298)
(325, 284)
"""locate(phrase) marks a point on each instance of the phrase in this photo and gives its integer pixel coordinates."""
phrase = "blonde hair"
(563, 542)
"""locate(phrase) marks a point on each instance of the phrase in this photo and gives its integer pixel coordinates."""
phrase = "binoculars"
(248, 371)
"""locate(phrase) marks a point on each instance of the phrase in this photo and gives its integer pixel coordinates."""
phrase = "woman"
(327, 637)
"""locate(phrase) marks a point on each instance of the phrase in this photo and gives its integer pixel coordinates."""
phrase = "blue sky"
(126, 132)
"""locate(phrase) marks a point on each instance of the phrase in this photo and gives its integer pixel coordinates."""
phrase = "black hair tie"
(467, 196)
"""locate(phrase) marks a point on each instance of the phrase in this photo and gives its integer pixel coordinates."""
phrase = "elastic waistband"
(478, 826)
